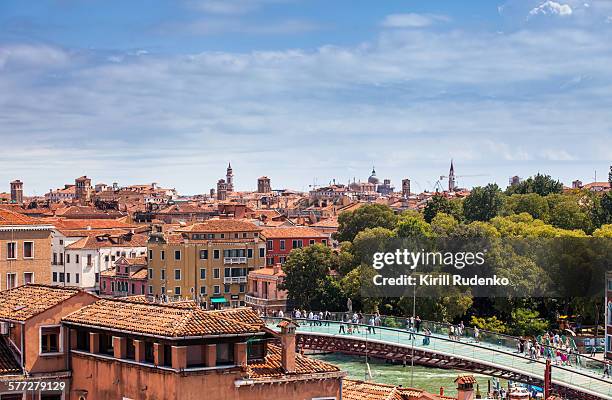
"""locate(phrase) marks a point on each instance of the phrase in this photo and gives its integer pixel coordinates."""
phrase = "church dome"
(373, 179)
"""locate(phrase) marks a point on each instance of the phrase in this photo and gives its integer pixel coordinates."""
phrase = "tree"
(367, 216)
(307, 272)
(491, 324)
(531, 203)
(483, 203)
(605, 231)
(566, 212)
(540, 184)
(368, 242)
(444, 224)
(440, 204)
(409, 227)
(527, 322)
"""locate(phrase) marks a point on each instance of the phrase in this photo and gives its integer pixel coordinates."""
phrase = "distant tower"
(17, 192)
(263, 185)
(406, 188)
(577, 184)
(229, 178)
(451, 178)
(515, 180)
(221, 190)
(83, 189)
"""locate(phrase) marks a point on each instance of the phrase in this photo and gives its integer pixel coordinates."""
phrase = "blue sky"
(170, 91)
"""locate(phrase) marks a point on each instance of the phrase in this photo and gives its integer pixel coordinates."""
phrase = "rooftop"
(12, 218)
(25, 302)
(221, 225)
(271, 366)
(292, 232)
(165, 320)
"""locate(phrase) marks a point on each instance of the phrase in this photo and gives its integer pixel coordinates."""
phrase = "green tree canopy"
(483, 203)
(540, 184)
(367, 216)
(531, 203)
(440, 204)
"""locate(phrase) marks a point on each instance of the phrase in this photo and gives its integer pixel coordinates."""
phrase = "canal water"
(429, 379)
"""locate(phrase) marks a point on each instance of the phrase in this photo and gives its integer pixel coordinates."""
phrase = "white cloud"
(411, 20)
(552, 8)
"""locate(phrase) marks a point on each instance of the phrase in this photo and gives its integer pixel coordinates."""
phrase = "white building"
(80, 256)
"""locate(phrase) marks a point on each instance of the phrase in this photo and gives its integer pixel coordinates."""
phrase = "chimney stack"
(465, 387)
(287, 338)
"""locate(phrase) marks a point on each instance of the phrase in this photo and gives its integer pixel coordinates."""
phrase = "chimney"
(287, 339)
(465, 387)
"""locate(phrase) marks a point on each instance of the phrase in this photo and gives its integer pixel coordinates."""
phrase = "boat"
(518, 393)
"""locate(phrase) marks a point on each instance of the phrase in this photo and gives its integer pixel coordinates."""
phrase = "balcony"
(234, 260)
(261, 302)
(234, 279)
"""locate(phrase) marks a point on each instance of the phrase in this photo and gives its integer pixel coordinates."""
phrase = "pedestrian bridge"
(583, 381)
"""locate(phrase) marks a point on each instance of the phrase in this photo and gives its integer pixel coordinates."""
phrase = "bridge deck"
(500, 357)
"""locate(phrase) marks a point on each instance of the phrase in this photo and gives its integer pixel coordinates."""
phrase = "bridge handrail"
(484, 335)
(403, 331)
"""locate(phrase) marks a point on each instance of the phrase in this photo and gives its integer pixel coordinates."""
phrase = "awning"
(218, 300)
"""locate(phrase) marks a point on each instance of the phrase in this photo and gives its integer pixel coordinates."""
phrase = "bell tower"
(229, 178)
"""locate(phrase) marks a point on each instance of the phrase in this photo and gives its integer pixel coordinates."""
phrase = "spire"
(373, 170)
(452, 168)
(229, 165)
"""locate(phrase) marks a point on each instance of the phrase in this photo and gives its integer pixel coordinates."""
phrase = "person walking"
(341, 325)
(476, 334)
(417, 322)
(606, 371)
(371, 326)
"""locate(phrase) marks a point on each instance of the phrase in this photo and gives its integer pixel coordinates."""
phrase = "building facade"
(263, 185)
(264, 292)
(280, 241)
(17, 192)
(25, 250)
(128, 277)
(208, 262)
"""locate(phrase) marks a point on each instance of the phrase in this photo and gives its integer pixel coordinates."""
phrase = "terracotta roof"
(158, 319)
(91, 223)
(221, 225)
(271, 366)
(465, 379)
(24, 302)
(101, 241)
(242, 314)
(9, 218)
(327, 223)
(8, 363)
(361, 390)
(147, 300)
(292, 232)
(269, 271)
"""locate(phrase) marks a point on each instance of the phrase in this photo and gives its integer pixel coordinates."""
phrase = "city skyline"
(300, 90)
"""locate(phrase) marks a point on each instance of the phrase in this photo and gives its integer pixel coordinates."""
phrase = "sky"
(303, 91)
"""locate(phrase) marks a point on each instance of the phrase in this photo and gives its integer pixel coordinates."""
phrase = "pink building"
(264, 293)
(128, 277)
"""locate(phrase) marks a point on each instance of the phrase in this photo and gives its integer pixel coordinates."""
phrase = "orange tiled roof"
(242, 314)
(158, 319)
(292, 232)
(8, 363)
(269, 271)
(147, 300)
(360, 390)
(101, 241)
(221, 225)
(465, 379)
(24, 302)
(271, 366)
(8, 217)
(92, 223)
(327, 223)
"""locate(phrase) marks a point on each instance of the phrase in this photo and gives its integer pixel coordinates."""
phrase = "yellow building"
(208, 262)
(25, 250)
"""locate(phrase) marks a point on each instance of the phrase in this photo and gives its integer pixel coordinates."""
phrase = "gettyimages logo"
(413, 260)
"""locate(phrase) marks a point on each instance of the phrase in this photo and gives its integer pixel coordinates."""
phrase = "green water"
(429, 379)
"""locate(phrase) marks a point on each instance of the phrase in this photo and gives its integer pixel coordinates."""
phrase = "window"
(262, 252)
(216, 254)
(236, 236)
(311, 242)
(324, 241)
(163, 274)
(210, 236)
(202, 273)
(270, 245)
(11, 250)
(297, 244)
(242, 287)
(67, 258)
(77, 258)
(177, 290)
(150, 273)
(76, 278)
(244, 235)
(61, 259)
(150, 289)
(226, 288)
(163, 290)
(54, 259)
(89, 260)
(28, 277)
(216, 289)
(150, 254)
(282, 259)
(216, 273)
(250, 253)
(223, 236)
(177, 255)
(112, 286)
(28, 249)
(11, 280)
(162, 255)
(270, 260)
(177, 274)
(133, 288)
(55, 277)
(225, 354)
(282, 245)
(50, 339)
(203, 290)
(61, 277)
(203, 254)
(97, 277)
(68, 277)
(103, 285)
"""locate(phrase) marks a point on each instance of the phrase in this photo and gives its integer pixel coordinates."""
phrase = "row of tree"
(320, 278)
